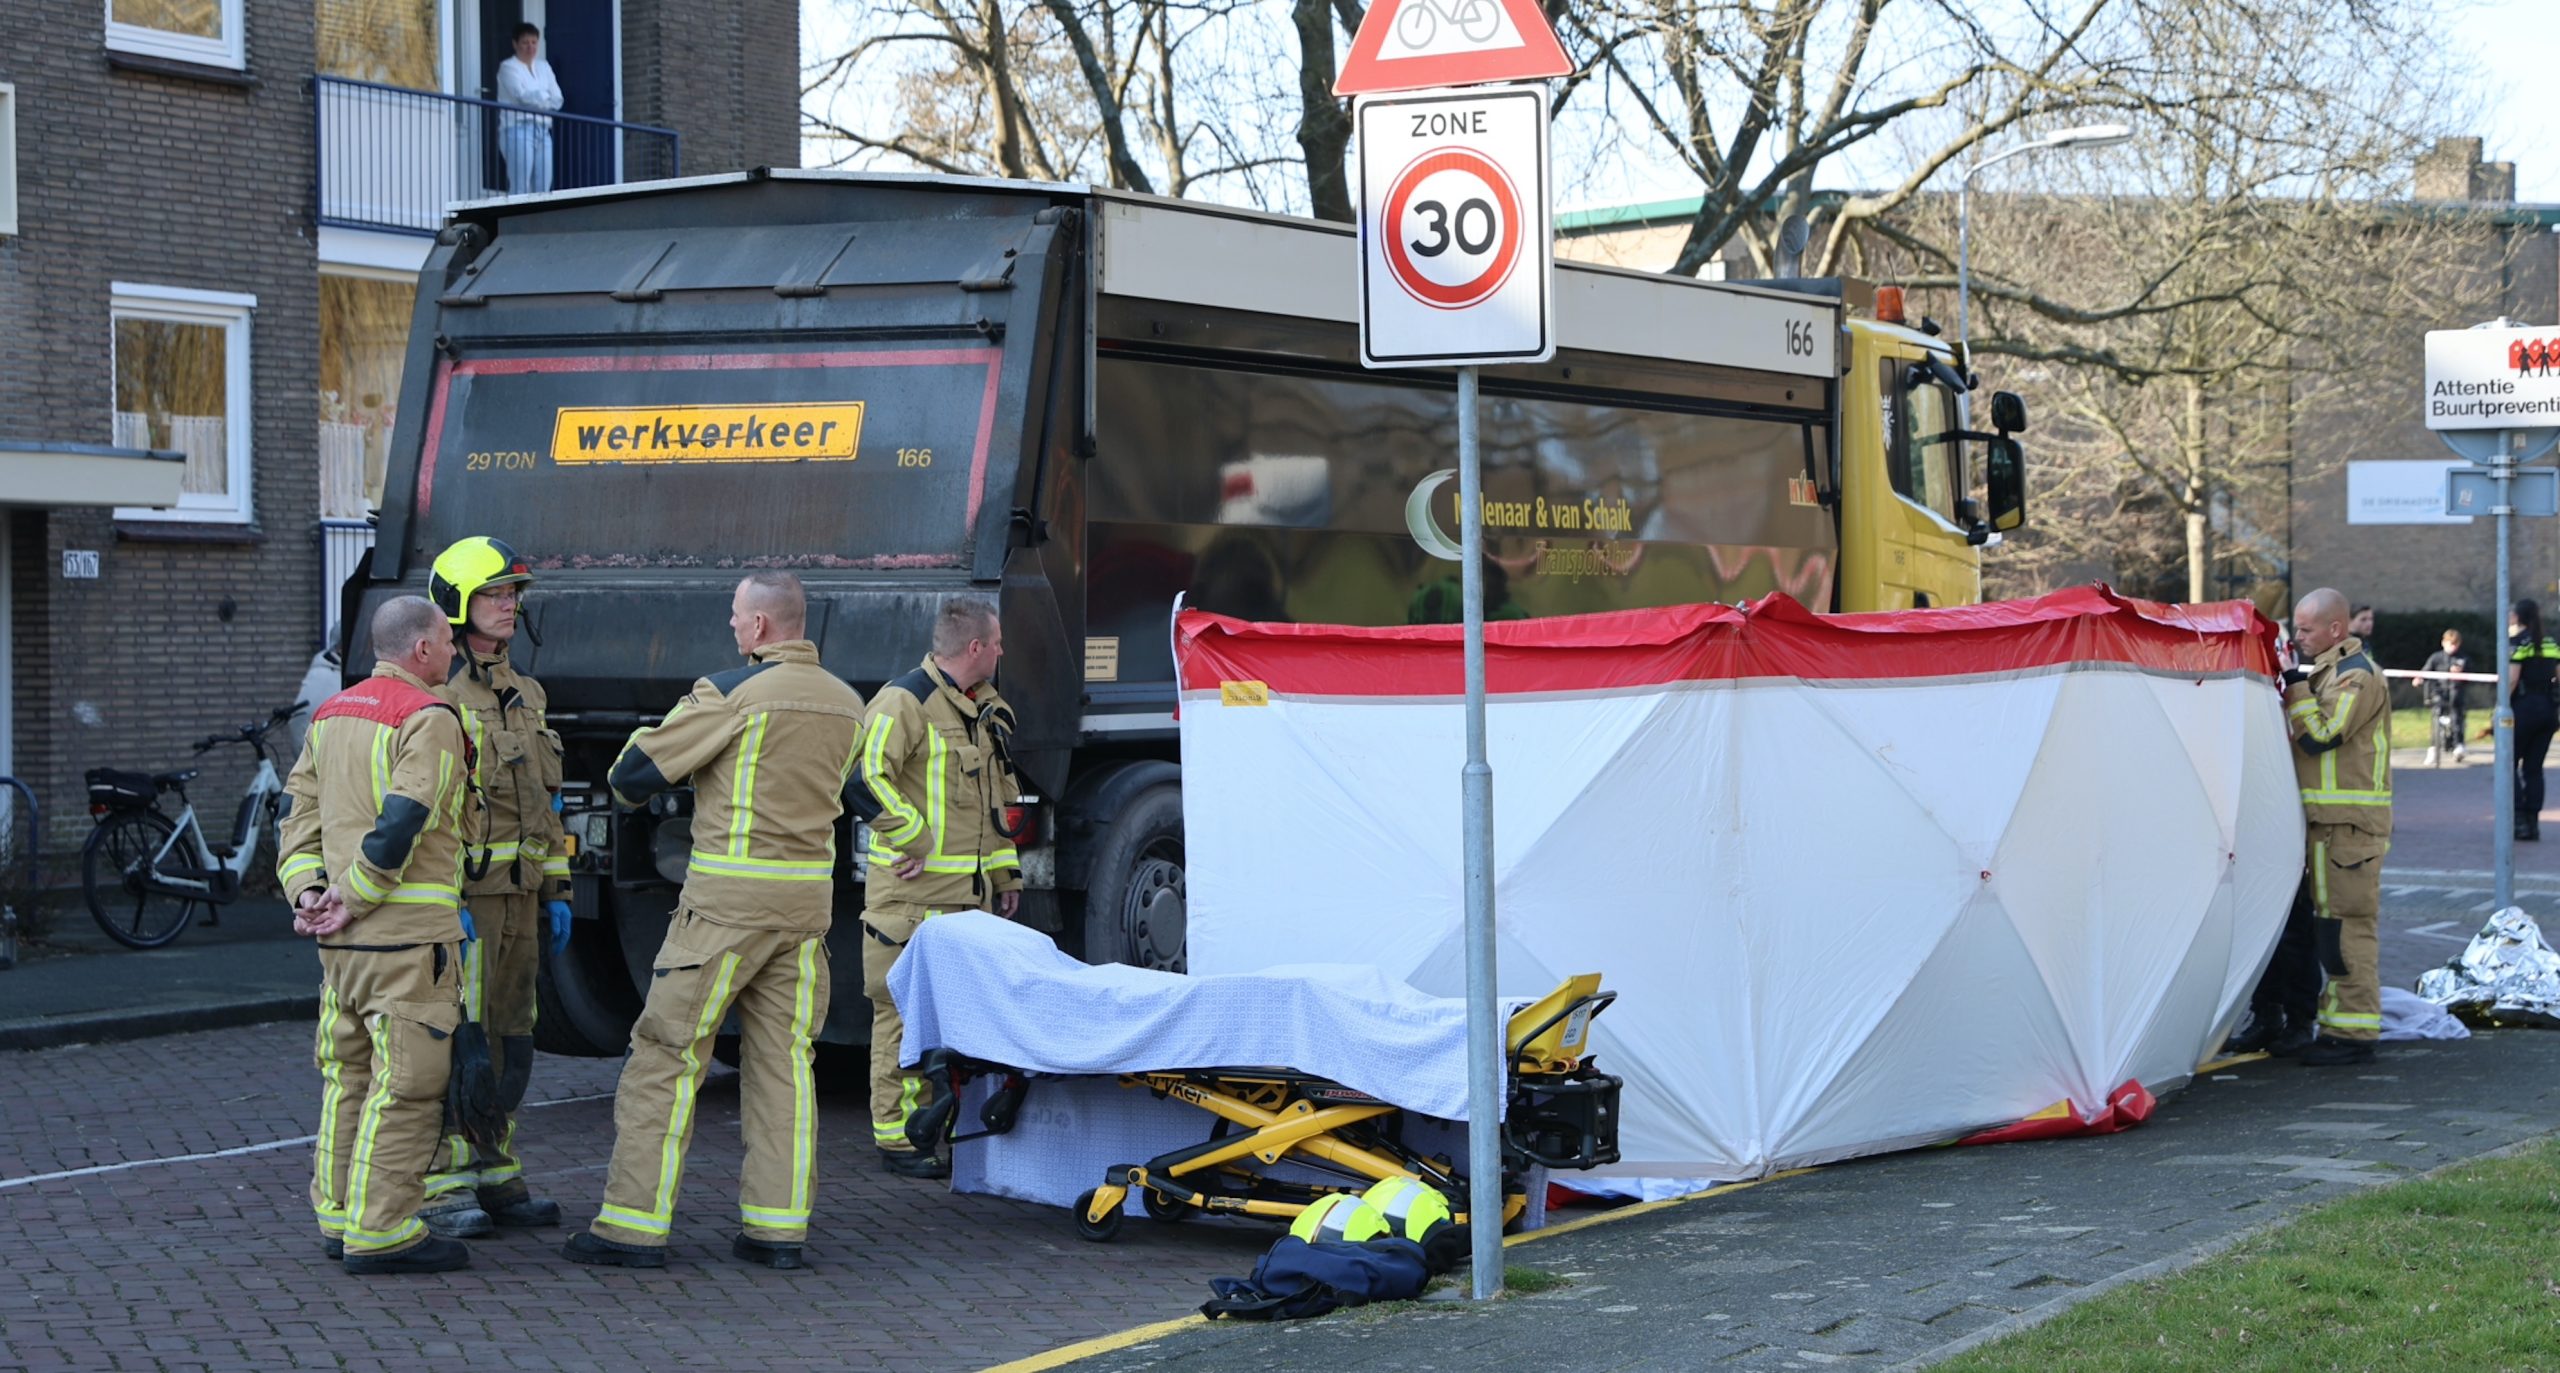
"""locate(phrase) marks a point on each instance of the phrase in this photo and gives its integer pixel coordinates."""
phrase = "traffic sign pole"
(2502, 471)
(1485, 1032)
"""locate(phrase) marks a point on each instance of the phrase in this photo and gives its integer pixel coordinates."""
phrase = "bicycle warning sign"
(1406, 45)
(1455, 250)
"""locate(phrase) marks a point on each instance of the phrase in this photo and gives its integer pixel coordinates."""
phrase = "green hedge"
(2406, 638)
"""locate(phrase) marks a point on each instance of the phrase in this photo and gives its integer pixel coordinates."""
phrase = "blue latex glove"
(468, 933)
(557, 914)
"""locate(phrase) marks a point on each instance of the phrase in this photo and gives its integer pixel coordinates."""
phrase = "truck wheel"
(584, 1001)
(1135, 910)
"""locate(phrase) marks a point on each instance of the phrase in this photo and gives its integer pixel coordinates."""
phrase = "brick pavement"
(214, 1263)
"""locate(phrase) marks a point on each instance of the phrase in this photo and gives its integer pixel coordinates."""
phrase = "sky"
(2516, 46)
(2512, 48)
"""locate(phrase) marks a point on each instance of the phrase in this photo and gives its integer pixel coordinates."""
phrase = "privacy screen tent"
(1861, 881)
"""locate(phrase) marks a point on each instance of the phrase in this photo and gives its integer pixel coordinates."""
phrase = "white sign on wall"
(2400, 492)
(1456, 259)
(2493, 378)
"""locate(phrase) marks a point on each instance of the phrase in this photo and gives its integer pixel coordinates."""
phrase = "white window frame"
(230, 50)
(231, 311)
(8, 160)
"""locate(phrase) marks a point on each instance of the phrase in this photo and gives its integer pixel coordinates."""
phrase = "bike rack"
(35, 840)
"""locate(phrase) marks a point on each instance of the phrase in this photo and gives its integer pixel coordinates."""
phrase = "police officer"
(375, 882)
(767, 748)
(2338, 711)
(515, 875)
(933, 760)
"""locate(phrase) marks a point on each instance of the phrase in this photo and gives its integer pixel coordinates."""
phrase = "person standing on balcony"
(525, 81)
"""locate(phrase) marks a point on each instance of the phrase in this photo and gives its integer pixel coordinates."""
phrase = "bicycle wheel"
(111, 873)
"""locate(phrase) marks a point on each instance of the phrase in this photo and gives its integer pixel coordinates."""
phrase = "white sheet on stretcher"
(993, 990)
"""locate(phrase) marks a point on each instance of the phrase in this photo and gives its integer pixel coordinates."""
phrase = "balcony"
(392, 159)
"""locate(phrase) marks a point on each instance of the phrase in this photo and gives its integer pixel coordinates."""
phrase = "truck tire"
(584, 1001)
(1135, 907)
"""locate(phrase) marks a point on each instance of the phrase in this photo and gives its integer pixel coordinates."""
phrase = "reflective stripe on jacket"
(516, 764)
(928, 761)
(377, 806)
(767, 748)
(2340, 721)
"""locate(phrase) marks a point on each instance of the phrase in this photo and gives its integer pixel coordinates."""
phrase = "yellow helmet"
(1338, 1216)
(469, 565)
(1410, 1207)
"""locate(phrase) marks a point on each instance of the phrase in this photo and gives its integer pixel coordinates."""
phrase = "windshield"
(844, 458)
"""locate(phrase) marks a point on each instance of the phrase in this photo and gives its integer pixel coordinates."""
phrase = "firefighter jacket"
(2340, 720)
(932, 757)
(518, 848)
(768, 748)
(378, 806)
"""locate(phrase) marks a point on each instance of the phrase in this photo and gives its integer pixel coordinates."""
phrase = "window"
(387, 42)
(206, 31)
(1922, 456)
(8, 159)
(182, 382)
(364, 335)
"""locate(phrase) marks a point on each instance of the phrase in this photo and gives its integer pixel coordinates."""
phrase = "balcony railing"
(392, 159)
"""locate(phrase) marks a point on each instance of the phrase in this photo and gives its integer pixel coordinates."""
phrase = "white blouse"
(536, 87)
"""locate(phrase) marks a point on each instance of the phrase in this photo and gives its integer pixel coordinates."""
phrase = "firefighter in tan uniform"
(933, 761)
(370, 855)
(515, 875)
(768, 748)
(2338, 710)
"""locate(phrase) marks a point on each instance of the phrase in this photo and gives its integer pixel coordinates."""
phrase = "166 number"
(1799, 338)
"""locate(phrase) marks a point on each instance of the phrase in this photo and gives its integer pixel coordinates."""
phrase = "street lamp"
(2078, 136)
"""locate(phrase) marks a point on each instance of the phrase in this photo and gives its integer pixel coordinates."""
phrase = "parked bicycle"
(145, 872)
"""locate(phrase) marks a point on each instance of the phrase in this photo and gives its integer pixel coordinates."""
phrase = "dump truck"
(1087, 405)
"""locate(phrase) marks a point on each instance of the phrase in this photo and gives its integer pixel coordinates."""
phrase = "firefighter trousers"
(497, 987)
(385, 1050)
(895, 1093)
(2346, 898)
(777, 979)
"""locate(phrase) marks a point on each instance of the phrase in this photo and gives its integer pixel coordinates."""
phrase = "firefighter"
(2338, 711)
(370, 854)
(933, 759)
(515, 875)
(767, 748)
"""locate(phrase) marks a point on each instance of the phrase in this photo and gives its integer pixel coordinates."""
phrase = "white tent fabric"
(1862, 882)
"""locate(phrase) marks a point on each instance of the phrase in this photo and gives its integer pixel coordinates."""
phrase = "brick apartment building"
(212, 215)
(2298, 533)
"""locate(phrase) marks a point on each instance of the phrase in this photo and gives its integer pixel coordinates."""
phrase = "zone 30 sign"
(1455, 255)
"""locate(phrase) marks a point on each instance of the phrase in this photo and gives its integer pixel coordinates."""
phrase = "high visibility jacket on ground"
(768, 748)
(930, 762)
(378, 805)
(2340, 720)
(517, 768)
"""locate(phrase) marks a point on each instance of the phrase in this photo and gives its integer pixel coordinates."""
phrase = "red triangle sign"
(1406, 45)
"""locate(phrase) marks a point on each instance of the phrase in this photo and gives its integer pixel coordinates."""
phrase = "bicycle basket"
(117, 789)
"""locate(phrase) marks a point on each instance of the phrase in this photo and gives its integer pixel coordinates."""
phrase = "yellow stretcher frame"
(1281, 1115)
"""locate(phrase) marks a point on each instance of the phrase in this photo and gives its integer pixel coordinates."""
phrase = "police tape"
(2441, 676)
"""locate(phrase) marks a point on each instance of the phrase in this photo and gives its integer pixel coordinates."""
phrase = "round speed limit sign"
(1455, 249)
(1453, 228)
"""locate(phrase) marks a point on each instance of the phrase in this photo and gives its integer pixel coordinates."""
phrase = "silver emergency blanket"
(995, 991)
(2507, 973)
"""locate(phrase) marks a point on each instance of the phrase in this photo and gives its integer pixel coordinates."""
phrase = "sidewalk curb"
(2163, 1267)
(109, 1026)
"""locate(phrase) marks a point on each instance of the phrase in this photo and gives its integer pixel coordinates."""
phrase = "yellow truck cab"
(1911, 527)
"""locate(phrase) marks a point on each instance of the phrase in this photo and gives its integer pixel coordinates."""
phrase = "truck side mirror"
(2008, 412)
(2004, 479)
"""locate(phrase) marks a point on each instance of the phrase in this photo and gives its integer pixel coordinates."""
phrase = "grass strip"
(2460, 1270)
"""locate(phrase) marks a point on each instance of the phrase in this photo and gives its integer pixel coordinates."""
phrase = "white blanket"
(993, 990)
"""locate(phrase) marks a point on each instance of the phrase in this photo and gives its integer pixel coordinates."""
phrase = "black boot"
(2326, 1052)
(2300, 1029)
(770, 1253)
(910, 1163)
(589, 1247)
(2257, 1033)
(434, 1254)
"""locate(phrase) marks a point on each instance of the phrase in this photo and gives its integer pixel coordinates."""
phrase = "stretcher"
(1280, 1139)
